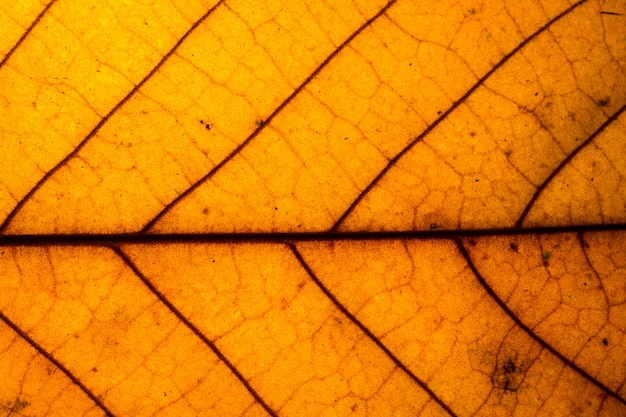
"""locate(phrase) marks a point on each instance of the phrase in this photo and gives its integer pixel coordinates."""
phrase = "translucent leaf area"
(308, 208)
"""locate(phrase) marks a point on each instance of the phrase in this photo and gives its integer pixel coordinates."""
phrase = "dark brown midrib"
(260, 237)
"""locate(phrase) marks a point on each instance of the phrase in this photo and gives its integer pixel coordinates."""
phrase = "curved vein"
(56, 363)
(161, 297)
(265, 122)
(609, 392)
(25, 34)
(392, 162)
(562, 165)
(104, 120)
(366, 331)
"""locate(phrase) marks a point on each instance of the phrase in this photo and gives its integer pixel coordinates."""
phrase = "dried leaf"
(362, 208)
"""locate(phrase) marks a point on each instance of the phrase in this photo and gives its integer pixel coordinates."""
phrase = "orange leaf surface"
(289, 208)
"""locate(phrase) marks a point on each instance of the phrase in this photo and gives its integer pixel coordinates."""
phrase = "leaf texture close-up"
(309, 208)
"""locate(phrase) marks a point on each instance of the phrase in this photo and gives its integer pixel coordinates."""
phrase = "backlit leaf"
(287, 208)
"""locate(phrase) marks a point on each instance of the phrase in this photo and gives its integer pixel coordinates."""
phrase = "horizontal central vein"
(192, 238)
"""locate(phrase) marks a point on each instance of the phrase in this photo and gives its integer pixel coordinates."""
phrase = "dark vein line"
(562, 165)
(528, 331)
(56, 363)
(265, 122)
(611, 13)
(25, 34)
(170, 238)
(194, 329)
(392, 162)
(366, 331)
(105, 119)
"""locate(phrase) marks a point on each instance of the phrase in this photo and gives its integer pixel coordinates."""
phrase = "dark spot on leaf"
(508, 375)
(509, 366)
(14, 407)
(354, 407)
(545, 257)
(205, 211)
(207, 125)
(603, 102)
(605, 341)
(435, 226)
(513, 247)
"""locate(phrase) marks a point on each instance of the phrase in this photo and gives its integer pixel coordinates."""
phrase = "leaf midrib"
(81, 239)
